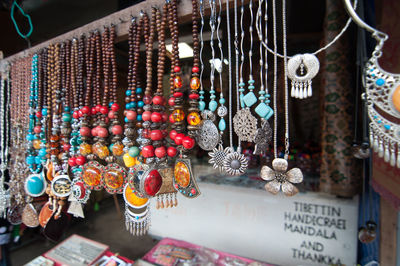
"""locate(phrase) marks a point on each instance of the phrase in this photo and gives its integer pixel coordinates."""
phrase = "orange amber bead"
(193, 118)
(101, 150)
(85, 149)
(92, 176)
(178, 82)
(118, 149)
(195, 83)
(178, 115)
(113, 179)
(132, 199)
(182, 174)
(36, 144)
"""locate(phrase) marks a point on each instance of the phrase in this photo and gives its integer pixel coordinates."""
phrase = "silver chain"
(266, 41)
(287, 144)
(220, 48)
(228, 28)
(275, 85)
(212, 26)
(251, 40)
(237, 52)
(201, 45)
(346, 26)
(258, 21)
(241, 43)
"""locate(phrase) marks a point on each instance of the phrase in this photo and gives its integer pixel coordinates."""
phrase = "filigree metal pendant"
(263, 138)
(79, 192)
(207, 136)
(279, 178)
(302, 68)
(217, 157)
(235, 163)
(114, 178)
(245, 125)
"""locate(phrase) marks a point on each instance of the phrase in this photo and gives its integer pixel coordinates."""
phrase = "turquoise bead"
(242, 105)
(251, 87)
(222, 124)
(30, 137)
(202, 105)
(42, 152)
(222, 101)
(139, 117)
(264, 111)
(380, 82)
(134, 151)
(251, 81)
(30, 160)
(139, 90)
(66, 117)
(213, 105)
(140, 104)
(387, 127)
(242, 84)
(38, 160)
(79, 140)
(250, 99)
(35, 185)
(261, 92)
(128, 93)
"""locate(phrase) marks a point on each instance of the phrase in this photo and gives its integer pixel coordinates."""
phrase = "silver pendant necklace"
(278, 177)
(207, 136)
(235, 163)
(302, 68)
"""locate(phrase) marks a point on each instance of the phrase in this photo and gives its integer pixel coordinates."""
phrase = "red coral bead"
(75, 114)
(111, 114)
(195, 69)
(115, 107)
(179, 138)
(158, 100)
(80, 113)
(156, 135)
(177, 69)
(85, 109)
(39, 114)
(102, 132)
(164, 117)
(85, 131)
(194, 96)
(171, 101)
(117, 130)
(148, 151)
(98, 107)
(72, 161)
(160, 152)
(93, 111)
(178, 94)
(66, 146)
(156, 117)
(80, 160)
(131, 115)
(172, 151)
(104, 110)
(146, 116)
(172, 134)
(147, 99)
(37, 129)
(188, 142)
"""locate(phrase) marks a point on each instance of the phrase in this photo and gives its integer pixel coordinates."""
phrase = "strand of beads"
(32, 160)
(41, 113)
(193, 118)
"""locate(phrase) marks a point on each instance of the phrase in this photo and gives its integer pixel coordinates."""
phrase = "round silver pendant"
(207, 136)
(61, 186)
(222, 111)
(217, 157)
(245, 125)
(235, 163)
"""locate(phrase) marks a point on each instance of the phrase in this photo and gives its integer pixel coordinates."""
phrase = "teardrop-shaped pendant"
(398, 157)
(392, 158)
(380, 150)
(386, 156)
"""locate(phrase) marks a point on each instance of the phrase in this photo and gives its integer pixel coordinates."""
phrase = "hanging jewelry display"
(244, 123)
(278, 177)
(4, 130)
(207, 136)
(234, 163)
(302, 68)
(382, 95)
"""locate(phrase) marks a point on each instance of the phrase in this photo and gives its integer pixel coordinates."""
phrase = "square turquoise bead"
(250, 99)
(264, 111)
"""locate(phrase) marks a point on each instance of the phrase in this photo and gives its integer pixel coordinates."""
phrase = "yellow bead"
(182, 174)
(193, 118)
(133, 199)
(178, 82)
(85, 149)
(118, 149)
(128, 160)
(195, 83)
(101, 150)
(396, 98)
(178, 115)
(36, 144)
